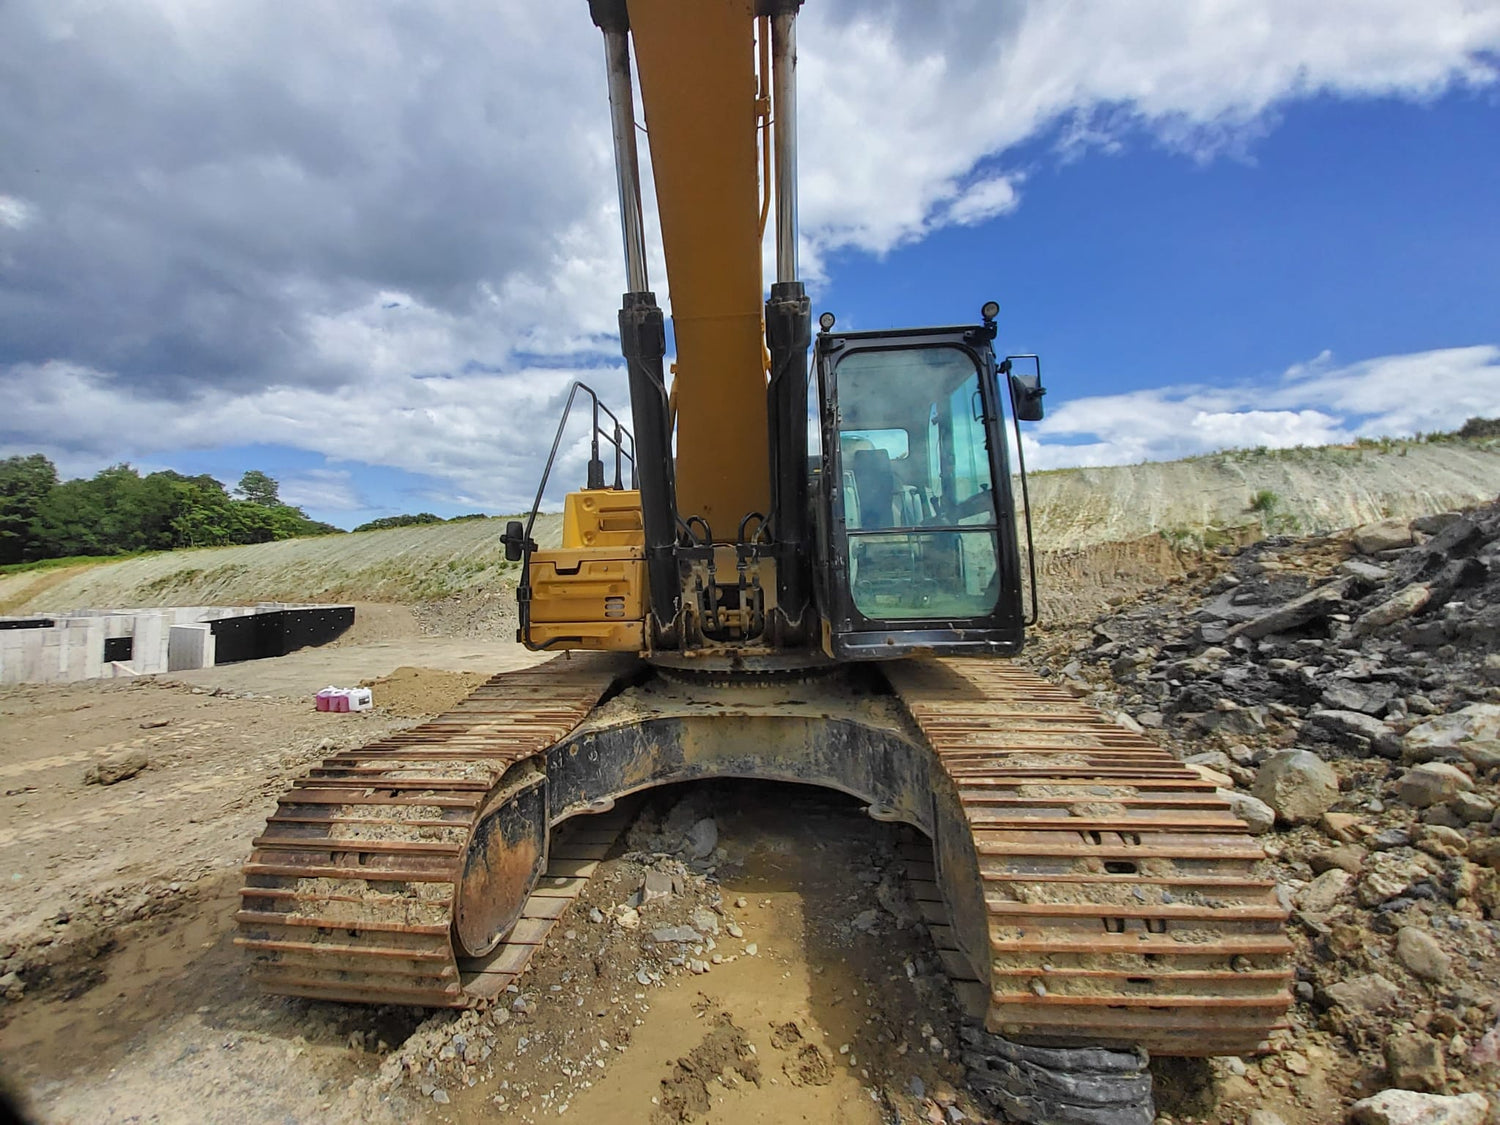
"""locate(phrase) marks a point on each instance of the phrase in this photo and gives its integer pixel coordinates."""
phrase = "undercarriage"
(1090, 897)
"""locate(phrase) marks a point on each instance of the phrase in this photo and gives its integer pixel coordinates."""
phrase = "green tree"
(24, 484)
(259, 488)
(385, 522)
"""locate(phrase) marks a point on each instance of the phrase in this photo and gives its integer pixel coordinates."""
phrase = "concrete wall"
(190, 646)
(73, 648)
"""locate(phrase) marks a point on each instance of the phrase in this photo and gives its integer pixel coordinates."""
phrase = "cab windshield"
(919, 504)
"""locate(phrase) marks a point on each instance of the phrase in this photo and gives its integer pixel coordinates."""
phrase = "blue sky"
(1363, 227)
(368, 255)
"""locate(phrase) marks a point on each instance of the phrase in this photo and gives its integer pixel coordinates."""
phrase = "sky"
(368, 247)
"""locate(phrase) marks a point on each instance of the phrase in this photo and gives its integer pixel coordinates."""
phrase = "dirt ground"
(129, 1001)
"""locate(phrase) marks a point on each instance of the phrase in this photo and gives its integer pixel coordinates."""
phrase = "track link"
(1122, 897)
(350, 891)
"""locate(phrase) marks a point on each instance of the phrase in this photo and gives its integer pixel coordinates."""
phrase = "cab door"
(920, 542)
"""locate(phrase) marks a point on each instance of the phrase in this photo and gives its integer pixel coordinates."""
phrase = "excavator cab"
(915, 524)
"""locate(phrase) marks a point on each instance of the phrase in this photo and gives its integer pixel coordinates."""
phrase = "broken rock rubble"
(1351, 685)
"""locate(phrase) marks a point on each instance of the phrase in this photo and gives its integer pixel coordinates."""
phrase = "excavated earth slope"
(1101, 534)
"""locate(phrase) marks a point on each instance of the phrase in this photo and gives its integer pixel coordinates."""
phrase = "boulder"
(1367, 699)
(1478, 722)
(1372, 993)
(1415, 1062)
(1258, 816)
(1341, 826)
(1471, 808)
(1406, 1107)
(1349, 857)
(702, 839)
(1385, 876)
(1385, 535)
(1361, 731)
(1365, 571)
(1322, 894)
(1422, 956)
(1212, 776)
(1486, 852)
(1436, 523)
(119, 767)
(1399, 606)
(1483, 754)
(1312, 606)
(1431, 783)
(1298, 785)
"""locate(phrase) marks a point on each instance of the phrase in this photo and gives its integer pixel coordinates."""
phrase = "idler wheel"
(507, 854)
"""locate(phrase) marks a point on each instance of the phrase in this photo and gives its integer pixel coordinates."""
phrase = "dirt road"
(130, 1002)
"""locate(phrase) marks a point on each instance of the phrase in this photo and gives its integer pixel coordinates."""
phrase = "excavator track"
(1123, 905)
(1084, 888)
(352, 890)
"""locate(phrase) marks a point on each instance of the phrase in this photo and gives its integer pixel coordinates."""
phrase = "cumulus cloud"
(323, 490)
(484, 435)
(904, 100)
(1314, 403)
(231, 222)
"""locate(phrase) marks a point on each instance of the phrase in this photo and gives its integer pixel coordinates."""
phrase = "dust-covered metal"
(1082, 886)
(1121, 902)
(385, 867)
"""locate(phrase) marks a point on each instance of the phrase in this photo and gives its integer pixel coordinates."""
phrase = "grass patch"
(72, 560)
(1264, 501)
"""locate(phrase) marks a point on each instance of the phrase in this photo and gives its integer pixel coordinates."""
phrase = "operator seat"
(877, 487)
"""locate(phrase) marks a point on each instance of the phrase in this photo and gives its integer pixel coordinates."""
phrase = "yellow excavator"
(801, 571)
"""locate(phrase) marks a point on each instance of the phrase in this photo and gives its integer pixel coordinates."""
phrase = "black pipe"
(788, 334)
(643, 340)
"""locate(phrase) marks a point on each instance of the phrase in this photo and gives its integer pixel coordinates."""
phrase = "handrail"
(613, 438)
(1036, 612)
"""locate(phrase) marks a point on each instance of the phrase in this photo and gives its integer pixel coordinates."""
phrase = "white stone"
(1432, 783)
(1320, 896)
(1384, 535)
(1297, 784)
(1406, 1107)
(1258, 816)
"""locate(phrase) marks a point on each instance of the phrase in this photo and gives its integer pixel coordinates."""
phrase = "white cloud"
(262, 222)
(15, 213)
(323, 490)
(1314, 403)
(484, 435)
(984, 200)
(902, 101)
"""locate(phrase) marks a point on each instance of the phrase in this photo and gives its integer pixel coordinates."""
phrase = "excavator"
(808, 570)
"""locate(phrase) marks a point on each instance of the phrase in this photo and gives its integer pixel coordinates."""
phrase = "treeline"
(385, 523)
(118, 511)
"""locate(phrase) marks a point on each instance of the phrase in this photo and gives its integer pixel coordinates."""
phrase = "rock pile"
(1344, 692)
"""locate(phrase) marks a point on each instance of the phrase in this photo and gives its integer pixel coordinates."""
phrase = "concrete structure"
(189, 646)
(92, 644)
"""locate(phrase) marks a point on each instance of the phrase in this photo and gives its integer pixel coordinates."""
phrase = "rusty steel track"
(1122, 896)
(351, 891)
(1084, 887)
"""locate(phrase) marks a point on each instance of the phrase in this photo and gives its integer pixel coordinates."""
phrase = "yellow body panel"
(698, 88)
(626, 636)
(603, 517)
(591, 592)
(591, 584)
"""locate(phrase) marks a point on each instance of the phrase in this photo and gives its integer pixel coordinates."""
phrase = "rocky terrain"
(1344, 692)
(748, 954)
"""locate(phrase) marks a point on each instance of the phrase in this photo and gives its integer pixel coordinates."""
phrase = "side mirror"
(1026, 393)
(514, 540)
